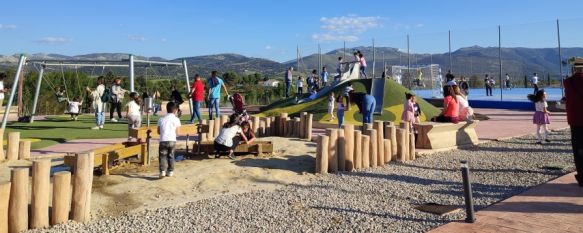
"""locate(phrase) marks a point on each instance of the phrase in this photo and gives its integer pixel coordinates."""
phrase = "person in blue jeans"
(340, 110)
(215, 83)
(366, 104)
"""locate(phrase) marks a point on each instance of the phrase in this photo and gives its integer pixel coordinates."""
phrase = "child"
(347, 91)
(340, 110)
(249, 134)
(73, 107)
(541, 115)
(362, 65)
(409, 110)
(227, 139)
(339, 69)
(331, 105)
(315, 79)
(60, 94)
(168, 129)
(176, 97)
(416, 110)
(324, 76)
(133, 113)
(300, 85)
(313, 93)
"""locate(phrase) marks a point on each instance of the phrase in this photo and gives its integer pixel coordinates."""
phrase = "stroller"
(238, 104)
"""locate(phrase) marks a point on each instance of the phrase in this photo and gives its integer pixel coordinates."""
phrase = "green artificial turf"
(392, 109)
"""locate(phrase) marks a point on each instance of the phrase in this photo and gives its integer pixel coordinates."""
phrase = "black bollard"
(470, 217)
(148, 137)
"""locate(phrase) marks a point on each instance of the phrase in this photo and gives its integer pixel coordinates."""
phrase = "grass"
(392, 109)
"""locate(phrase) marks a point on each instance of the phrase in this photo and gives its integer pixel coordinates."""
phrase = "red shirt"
(452, 107)
(574, 95)
(197, 91)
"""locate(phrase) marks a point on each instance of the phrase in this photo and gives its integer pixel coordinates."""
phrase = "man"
(117, 94)
(508, 83)
(449, 76)
(288, 80)
(488, 85)
(534, 82)
(574, 103)
(215, 84)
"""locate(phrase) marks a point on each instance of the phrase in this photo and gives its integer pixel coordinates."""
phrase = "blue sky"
(272, 29)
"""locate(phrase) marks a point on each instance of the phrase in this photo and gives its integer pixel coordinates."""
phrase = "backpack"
(106, 96)
(238, 102)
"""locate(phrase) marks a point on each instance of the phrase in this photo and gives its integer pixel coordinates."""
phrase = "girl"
(416, 111)
(541, 115)
(362, 64)
(465, 111)
(133, 113)
(227, 139)
(197, 95)
(98, 105)
(340, 110)
(60, 94)
(409, 110)
(300, 85)
(246, 128)
(450, 112)
(73, 107)
(331, 106)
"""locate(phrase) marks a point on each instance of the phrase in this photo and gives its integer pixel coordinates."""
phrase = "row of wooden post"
(281, 126)
(69, 200)
(16, 149)
(376, 144)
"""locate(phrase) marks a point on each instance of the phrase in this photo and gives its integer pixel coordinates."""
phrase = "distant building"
(270, 83)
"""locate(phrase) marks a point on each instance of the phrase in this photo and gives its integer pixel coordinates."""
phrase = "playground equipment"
(419, 76)
(352, 74)
(43, 64)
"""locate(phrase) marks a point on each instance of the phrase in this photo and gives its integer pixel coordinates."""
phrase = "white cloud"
(137, 38)
(53, 40)
(7, 26)
(268, 47)
(347, 28)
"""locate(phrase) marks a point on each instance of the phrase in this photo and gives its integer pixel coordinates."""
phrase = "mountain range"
(466, 61)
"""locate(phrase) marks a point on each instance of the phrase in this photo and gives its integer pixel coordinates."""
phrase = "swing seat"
(61, 99)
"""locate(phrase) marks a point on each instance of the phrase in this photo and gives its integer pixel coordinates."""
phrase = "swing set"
(62, 95)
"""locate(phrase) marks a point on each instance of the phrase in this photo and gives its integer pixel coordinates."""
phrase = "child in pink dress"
(409, 110)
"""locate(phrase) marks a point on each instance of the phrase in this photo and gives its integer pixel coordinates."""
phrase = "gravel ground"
(373, 200)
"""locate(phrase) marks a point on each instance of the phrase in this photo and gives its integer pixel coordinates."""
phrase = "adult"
(117, 94)
(215, 84)
(574, 102)
(450, 112)
(229, 136)
(508, 82)
(449, 76)
(488, 85)
(534, 82)
(197, 95)
(366, 104)
(2, 90)
(98, 105)
(362, 61)
(324, 76)
(288, 81)
(465, 111)
(464, 86)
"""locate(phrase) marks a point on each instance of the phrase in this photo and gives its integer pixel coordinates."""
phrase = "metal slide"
(346, 77)
(377, 90)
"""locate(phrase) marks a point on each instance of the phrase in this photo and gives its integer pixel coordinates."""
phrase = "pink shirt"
(362, 62)
(408, 111)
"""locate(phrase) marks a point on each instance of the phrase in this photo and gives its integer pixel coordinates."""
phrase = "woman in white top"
(98, 105)
(465, 111)
(229, 136)
(133, 113)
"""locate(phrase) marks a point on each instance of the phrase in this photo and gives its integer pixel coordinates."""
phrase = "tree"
(231, 78)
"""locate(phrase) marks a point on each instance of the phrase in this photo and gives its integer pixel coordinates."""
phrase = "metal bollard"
(187, 142)
(148, 137)
(470, 216)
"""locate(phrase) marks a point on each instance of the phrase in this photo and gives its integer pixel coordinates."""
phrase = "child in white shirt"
(168, 127)
(331, 103)
(133, 113)
(73, 107)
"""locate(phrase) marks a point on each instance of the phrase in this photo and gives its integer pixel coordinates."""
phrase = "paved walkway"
(556, 206)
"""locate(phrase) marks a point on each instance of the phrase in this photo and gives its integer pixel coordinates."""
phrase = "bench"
(105, 156)
(433, 135)
(188, 129)
(258, 147)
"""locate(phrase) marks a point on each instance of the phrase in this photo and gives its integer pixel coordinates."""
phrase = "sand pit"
(132, 188)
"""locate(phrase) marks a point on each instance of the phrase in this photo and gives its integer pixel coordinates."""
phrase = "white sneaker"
(101, 127)
(95, 127)
(75, 118)
(113, 120)
(162, 174)
(170, 174)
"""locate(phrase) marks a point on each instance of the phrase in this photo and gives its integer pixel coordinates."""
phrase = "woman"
(98, 105)
(227, 139)
(366, 105)
(197, 95)
(2, 90)
(465, 111)
(450, 112)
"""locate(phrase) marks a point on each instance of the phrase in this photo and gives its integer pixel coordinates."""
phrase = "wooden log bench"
(188, 129)
(433, 135)
(259, 147)
(105, 156)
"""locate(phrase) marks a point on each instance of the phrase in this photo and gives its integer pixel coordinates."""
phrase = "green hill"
(392, 109)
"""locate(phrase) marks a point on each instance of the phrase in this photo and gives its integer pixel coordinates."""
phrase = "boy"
(324, 76)
(168, 129)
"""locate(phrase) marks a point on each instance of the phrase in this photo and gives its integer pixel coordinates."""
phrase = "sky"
(273, 29)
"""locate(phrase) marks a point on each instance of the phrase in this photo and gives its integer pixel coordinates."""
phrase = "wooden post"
(374, 147)
(83, 179)
(217, 128)
(365, 151)
(204, 136)
(4, 202)
(41, 180)
(366, 126)
(211, 134)
(387, 144)
(297, 128)
(261, 129)
(309, 126)
(24, 150)
(406, 127)
(340, 149)
(401, 152)
(349, 146)
(61, 197)
(2, 155)
(268, 126)
(256, 125)
(411, 146)
(322, 154)
(273, 126)
(277, 129)
(379, 127)
(144, 155)
(13, 146)
(283, 124)
(289, 128)
(18, 206)
(224, 119)
(391, 134)
(357, 149)
(105, 164)
(301, 130)
(333, 159)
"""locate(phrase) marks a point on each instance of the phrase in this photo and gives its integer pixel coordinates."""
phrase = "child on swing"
(60, 94)
(73, 107)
